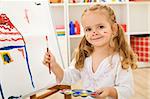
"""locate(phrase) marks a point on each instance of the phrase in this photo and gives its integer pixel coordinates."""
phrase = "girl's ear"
(115, 28)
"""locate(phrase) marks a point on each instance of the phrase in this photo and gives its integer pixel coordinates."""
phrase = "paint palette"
(79, 92)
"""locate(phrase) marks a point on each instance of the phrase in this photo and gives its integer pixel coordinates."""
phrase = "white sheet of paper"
(33, 25)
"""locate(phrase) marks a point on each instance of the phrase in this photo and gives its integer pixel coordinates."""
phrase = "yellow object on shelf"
(55, 1)
(113, 0)
(60, 33)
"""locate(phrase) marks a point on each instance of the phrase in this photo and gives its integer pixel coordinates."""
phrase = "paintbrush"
(49, 65)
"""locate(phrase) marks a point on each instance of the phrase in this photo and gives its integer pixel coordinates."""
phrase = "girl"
(103, 60)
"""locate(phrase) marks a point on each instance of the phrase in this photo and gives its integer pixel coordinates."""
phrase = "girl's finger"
(49, 53)
(47, 57)
(44, 62)
(47, 60)
(102, 94)
(47, 64)
(99, 91)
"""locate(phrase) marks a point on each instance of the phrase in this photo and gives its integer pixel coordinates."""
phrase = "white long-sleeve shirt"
(108, 74)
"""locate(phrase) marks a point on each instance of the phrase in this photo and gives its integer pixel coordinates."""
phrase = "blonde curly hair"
(118, 42)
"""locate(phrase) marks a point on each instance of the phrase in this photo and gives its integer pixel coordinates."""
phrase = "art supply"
(79, 92)
(72, 28)
(49, 65)
(77, 27)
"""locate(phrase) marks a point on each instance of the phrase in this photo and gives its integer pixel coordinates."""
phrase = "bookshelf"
(134, 14)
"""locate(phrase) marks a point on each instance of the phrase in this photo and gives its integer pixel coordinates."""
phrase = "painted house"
(13, 52)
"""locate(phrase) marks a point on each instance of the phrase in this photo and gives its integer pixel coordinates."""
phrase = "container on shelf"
(56, 1)
(141, 46)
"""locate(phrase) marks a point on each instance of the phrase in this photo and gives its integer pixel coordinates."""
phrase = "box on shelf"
(56, 1)
(81, 1)
(60, 33)
(60, 30)
(141, 46)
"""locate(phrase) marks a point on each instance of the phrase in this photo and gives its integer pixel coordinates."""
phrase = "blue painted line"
(2, 95)
(14, 97)
(10, 47)
(29, 67)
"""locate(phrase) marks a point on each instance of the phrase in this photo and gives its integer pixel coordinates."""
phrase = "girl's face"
(97, 28)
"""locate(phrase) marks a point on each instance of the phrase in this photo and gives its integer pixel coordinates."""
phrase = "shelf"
(140, 2)
(143, 64)
(56, 4)
(92, 3)
(60, 30)
(76, 36)
(138, 33)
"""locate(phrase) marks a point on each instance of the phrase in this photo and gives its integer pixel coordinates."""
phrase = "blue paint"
(6, 58)
(78, 92)
(29, 67)
(103, 1)
(14, 97)
(10, 47)
(2, 95)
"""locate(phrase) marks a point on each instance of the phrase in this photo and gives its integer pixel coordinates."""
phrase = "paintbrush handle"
(49, 65)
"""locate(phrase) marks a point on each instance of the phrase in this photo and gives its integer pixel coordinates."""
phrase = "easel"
(52, 90)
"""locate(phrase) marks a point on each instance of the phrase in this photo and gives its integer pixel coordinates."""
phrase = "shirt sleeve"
(124, 83)
(71, 75)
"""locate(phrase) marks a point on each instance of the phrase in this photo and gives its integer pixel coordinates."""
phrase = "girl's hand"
(49, 59)
(50, 62)
(102, 93)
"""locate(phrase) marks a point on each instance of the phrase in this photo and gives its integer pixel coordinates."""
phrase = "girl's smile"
(96, 38)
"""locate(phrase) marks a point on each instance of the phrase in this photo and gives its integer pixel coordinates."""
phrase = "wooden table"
(52, 90)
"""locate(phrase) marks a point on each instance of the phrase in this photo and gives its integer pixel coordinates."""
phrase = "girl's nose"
(94, 33)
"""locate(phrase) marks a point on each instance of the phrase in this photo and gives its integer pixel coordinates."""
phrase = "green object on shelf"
(60, 34)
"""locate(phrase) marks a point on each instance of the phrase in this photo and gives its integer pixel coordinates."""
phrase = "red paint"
(10, 33)
(26, 15)
(46, 38)
(21, 50)
(12, 39)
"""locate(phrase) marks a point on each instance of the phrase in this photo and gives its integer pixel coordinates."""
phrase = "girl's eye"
(101, 27)
(88, 29)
